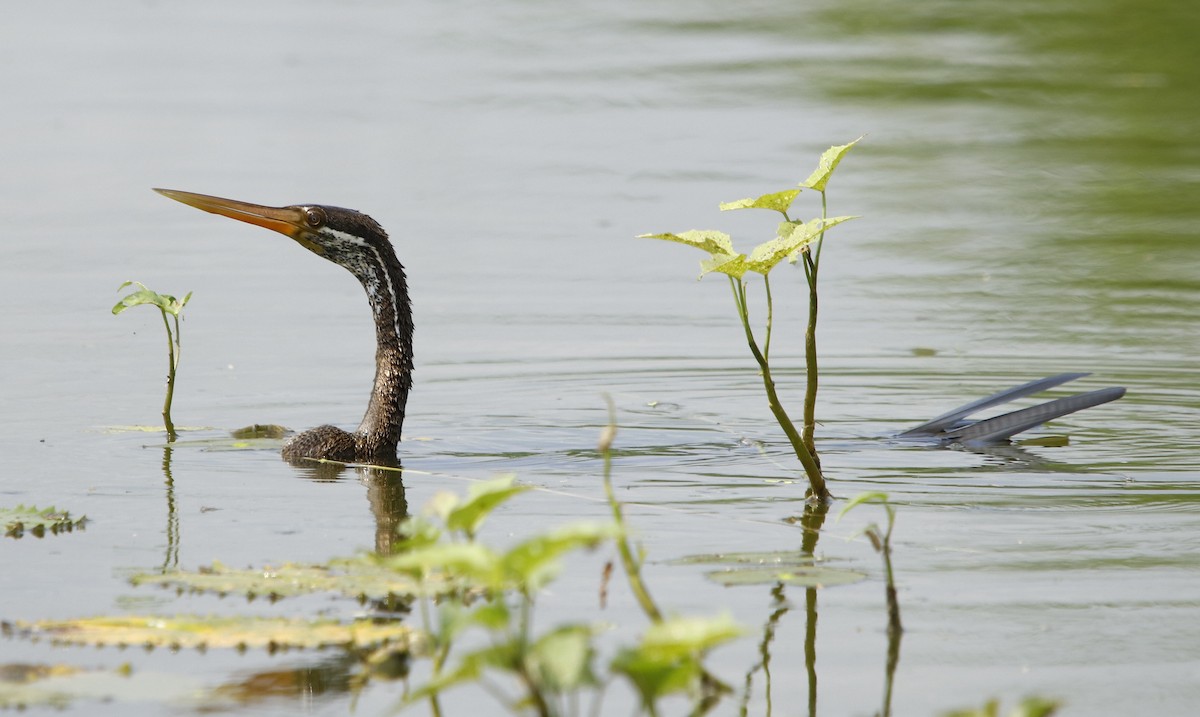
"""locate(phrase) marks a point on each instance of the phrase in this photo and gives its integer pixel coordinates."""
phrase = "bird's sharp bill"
(285, 220)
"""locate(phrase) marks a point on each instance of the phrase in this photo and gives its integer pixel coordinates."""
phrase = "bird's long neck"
(387, 290)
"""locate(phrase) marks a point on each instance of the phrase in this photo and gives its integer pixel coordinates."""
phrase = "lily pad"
(275, 633)
(767, 568)
(357, 578)
(37, 522)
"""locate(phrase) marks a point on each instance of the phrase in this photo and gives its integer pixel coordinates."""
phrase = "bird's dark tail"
(951, 427)
(1001, 428)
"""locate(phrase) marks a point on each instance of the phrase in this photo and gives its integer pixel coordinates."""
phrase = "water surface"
(1028, 188)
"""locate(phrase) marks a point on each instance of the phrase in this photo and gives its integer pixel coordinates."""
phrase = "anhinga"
(356, 242)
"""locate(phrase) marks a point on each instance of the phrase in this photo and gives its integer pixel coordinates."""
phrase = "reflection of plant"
(166, 304)
(795, 241)
(881, 540)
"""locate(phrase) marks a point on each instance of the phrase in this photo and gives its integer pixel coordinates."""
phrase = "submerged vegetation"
(798, 242)
(167, 305)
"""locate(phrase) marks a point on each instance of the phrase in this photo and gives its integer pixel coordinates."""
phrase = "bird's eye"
(314, 216)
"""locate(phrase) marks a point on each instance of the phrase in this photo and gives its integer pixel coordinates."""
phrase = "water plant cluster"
(442, 595)
(798, 242)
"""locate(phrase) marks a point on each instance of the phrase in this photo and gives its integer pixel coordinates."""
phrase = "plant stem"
(893, 601)
(810, 360)
(806, 455)
(172, 363)
(632, 566)
(812, 263)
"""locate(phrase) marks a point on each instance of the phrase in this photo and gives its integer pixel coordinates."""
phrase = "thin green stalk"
(806, 455)
(812, 263)
(172, 364)
(811, 372)
(770, 315)
(893, 600)
(633, 568)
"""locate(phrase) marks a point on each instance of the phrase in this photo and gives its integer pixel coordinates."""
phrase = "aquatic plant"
(166, 304)
(1028, 707)
(798, 242)
(881, 540)
(38, 521)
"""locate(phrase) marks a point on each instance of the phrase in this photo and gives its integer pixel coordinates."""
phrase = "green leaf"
(655, 678)
(667, 660)
(1029, 707)
(218, 632)
(731, 264)
(713, 242)
(818, 576)
(355, 578)
(482, 499)
(165, 302)
(562, 659)
(682, 636)
(534, 562)
(792, 238)
(38, 521)
(475, 563)
(777, 201)
(829, 162)
(873, 497)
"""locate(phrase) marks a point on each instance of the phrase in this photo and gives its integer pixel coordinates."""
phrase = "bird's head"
(334, 233)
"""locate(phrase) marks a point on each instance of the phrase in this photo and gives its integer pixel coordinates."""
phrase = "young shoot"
(166, 304)
(881, 540)
(795, 241)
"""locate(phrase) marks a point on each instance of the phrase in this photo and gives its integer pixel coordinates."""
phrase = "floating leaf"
(829, 162)
(777, 201)
(358, 578)
(17, 521)
(219, 632)
(767, 568)
(818, 576)
(1029, 707)
(260, 430)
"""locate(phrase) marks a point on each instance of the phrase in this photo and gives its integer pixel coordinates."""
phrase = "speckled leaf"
(792, 238)
(185, 631)
(37, 522)
(732, 264)
(360, 578)
(777, 201)
(713, 242)
(829, 162)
